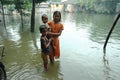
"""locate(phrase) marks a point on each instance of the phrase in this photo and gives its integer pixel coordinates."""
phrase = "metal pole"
(117, 18)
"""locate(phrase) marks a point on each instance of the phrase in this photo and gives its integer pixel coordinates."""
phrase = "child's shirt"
(45, 50)
(46, 25)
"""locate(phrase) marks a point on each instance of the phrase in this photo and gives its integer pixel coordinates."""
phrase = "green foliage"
(106, 6)
(56, 0)
(100, 6)
(11, 7)
(39, 1)
(23, 4)
(8, 2)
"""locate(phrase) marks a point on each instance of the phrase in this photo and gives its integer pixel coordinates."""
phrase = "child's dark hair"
(57, 12)
(42, 27)
(44, 15)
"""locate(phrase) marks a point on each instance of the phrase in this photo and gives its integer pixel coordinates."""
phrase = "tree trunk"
(3, 14)
(33, 16)
(21, 18)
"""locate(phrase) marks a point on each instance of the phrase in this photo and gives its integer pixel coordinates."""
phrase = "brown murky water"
(81, 42)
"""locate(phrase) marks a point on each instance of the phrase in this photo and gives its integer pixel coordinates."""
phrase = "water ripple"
(22, 73)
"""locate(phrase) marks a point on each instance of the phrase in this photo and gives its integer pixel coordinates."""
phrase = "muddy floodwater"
(81, 45)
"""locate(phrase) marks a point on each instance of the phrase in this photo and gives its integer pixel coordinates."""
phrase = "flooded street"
(81, 43)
